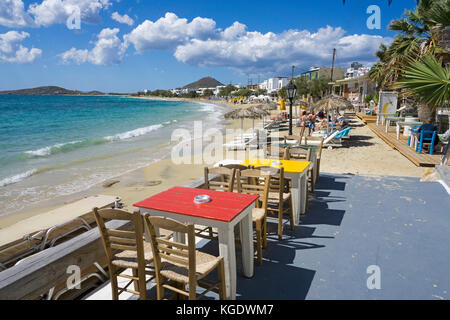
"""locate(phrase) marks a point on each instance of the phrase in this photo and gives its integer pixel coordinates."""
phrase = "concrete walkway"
(398, 224)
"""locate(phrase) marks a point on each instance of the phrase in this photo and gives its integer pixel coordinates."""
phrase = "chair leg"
(265, 233)
(259, 241)
(159, 288)
(114, 285)
(318, 170)
(221, 277)
(192, 292)
(280, 222)
(142, 287)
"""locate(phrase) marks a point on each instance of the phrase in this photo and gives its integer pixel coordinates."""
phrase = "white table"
(407, 126)
(221, 202)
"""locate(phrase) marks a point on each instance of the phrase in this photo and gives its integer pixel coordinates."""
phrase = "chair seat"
(128, 258)
(258, 214)
(205, 263)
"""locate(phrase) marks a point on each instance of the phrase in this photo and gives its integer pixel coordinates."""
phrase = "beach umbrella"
(258, 112)
(333, 102)
(268, 107)
(242, 113)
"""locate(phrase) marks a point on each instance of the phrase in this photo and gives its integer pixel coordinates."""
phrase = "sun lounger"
(40, 234)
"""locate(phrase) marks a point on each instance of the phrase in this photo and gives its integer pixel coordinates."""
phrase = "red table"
(224, 212)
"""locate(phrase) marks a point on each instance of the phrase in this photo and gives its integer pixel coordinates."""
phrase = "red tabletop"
(224, 206)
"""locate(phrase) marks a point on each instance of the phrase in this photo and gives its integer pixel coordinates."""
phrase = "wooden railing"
(39, 273)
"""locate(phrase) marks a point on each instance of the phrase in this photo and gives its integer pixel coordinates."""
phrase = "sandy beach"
(365, 154)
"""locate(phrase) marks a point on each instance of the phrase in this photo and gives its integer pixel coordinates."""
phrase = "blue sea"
(53, 146)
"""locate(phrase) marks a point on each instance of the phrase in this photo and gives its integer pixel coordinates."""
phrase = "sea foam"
(17, 177)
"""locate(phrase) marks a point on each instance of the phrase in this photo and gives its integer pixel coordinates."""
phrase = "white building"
(356, 73)
(273, 84)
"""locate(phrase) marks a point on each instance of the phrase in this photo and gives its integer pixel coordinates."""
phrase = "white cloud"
(253, 52)
(169, 32)
(122, 19)
(13, 15)
(58, 11)
(108, 50)
(12, 51)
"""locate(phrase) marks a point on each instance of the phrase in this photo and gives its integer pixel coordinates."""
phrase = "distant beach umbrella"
(242, 113)
(333, 102)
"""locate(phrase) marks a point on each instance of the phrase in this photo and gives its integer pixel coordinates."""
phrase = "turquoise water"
(58, 145)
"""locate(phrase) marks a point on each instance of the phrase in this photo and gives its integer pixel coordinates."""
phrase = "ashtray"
(204, 198)
(277, 163)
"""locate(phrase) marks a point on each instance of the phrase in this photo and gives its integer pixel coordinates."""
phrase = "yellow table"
(297, 171)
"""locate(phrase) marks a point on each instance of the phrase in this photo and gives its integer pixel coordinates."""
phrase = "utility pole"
(332, 69)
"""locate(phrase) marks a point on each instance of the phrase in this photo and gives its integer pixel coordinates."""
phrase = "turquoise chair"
(426, 142)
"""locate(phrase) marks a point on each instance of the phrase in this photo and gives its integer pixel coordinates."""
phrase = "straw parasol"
(241, 113)
(333, 102)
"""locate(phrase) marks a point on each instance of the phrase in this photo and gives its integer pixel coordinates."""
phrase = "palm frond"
(427, 79)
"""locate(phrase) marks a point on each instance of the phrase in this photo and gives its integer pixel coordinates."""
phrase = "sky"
(131, 45)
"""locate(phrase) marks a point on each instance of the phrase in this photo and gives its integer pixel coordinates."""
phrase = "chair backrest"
(114, 239)
(276, 181)
(173, 252)
(226, 182)
(430, 135)
(254, 181)
(320, 139)
(273, 154)
(298, 153)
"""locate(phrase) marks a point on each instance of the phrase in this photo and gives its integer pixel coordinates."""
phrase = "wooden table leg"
(227, 251)
(246, 233)
(296, 194)
(304, 191)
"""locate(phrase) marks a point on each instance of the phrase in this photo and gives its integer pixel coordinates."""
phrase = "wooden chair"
(273, 154)
(225, 182)
(252, 181)
(180, 263)
(238, 167)
(319, 154)
(278, 197)
(304, 154)
(125, 249)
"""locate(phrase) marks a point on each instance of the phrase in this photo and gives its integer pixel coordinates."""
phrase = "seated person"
(429, 126)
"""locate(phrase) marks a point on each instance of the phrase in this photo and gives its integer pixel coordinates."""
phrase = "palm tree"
(421, 31)
(428, 80)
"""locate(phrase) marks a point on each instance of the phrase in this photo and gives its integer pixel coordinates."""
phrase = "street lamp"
(291, 90)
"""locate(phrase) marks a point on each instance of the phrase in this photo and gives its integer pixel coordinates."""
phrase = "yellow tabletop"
(288, 165)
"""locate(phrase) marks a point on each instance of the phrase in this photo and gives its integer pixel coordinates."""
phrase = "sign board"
(387, 103)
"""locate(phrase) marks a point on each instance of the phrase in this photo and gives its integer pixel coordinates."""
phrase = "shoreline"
(375, 158)
(15, 218)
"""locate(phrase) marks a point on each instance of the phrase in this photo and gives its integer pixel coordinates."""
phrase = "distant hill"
(206, 82)
(50, 90)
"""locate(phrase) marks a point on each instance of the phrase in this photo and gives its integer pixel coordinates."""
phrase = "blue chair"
(415, 129)
(426, 142)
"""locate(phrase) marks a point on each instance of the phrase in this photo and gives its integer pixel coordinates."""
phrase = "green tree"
(244, 92)
(208, 93)
(227, 90)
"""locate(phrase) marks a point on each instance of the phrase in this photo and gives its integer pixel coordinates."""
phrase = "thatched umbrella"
(331, 103)
(259, 113)
(242, 114)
